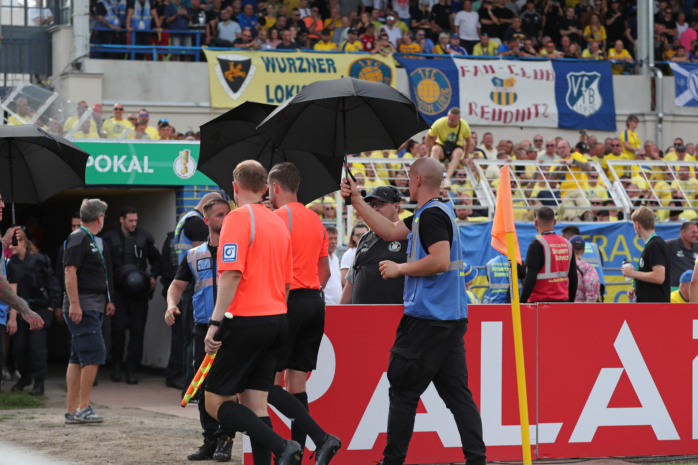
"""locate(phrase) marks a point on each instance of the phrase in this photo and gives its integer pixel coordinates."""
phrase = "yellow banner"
(272, 77)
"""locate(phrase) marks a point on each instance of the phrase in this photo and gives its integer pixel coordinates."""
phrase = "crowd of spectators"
(92, 123)
(561, 176)
(600, 29)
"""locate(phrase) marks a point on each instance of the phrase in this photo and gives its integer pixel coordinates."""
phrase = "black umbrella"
(35, 165)
(343, 116)
(234, 137)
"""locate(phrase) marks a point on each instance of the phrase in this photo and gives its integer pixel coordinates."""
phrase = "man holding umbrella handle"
(429, 341)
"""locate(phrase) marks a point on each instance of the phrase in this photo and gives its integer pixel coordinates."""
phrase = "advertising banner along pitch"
(569, 94)
(273, 77)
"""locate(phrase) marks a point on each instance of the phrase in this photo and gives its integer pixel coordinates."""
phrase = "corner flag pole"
(504, 232)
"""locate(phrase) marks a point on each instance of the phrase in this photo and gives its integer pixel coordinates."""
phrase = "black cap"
(582, 147)
(352, 31)
(385, 194)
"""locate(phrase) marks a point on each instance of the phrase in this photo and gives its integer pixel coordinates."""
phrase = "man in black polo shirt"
(652, 276)
(364, 282)
(87, 294)
(683, 251)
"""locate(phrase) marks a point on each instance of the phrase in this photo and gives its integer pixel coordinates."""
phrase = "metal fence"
(24, 60)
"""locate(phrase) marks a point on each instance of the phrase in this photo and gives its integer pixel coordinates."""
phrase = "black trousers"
(428, 351)
(208, 423)
(130, 316)
(187, 310)
(29, 348)
(175, 364)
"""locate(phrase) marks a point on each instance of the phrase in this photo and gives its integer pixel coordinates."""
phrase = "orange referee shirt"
(309, 243)
(256, 242)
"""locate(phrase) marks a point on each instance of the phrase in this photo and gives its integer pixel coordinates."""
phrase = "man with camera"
(131, 250)
(447, 139)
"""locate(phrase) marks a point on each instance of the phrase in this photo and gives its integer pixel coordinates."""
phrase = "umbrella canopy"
(35, 165)
(234, 137)
(343, 116)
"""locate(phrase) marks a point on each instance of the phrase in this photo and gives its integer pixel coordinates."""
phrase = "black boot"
(38, 389)
(116, 372)
(23, 382)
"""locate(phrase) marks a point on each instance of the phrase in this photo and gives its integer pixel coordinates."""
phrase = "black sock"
(295, 407)
(260, 454)
(234, 416)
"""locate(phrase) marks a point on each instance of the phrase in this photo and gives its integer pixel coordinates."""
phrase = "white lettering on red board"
(695, 385)
(491, 383)
(653, 411)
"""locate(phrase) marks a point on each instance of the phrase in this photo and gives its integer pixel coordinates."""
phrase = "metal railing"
(24, 60)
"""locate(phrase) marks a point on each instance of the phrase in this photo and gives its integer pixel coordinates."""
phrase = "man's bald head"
(204, 200)
(430, 170)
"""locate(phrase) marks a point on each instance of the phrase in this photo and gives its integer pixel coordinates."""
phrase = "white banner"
(507, 93)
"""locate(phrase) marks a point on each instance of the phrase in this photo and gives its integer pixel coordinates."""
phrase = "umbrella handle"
(347, 200)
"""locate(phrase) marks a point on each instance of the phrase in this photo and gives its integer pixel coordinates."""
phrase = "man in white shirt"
(467, 26)
(487, 146)
(333, 289)
(391, 30)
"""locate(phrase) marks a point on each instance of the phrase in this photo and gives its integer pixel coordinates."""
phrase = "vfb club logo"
(583, 94)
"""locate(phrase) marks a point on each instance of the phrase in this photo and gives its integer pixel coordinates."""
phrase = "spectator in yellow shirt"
(116, 126)
(620, 56)
(408, 45)
(352, 44)
(629, 139)
(325, 44)
(86, 131)
(616, 154)
(595, 32)
(485, 47)
(23, 112)
(594, 52)
(573, 171)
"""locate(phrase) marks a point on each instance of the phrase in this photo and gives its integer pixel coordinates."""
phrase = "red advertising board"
(612, 379)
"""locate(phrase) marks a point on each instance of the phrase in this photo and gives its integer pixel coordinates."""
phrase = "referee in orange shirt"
(306, 309)
(255, 265)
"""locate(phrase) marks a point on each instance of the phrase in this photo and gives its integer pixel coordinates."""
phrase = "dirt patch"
(129, 435)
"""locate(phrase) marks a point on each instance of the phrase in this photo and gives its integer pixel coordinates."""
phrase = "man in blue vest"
(138, 19)
(191, 231)
(592, 255)
(498, 276)
(108, 25)
(199, 269)
(429, 342)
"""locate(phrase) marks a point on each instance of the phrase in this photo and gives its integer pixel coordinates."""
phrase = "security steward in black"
(365, 284)
(131, 250)
(31, 271)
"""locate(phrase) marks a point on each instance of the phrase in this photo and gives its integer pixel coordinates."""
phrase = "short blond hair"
(251, 176)
(644, 217)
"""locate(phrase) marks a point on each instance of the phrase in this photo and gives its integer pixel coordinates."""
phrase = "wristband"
(212, 322)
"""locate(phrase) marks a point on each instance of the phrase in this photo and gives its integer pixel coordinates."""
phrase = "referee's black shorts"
(306, 325)
(248, 356)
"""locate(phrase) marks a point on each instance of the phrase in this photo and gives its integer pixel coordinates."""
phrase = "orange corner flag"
(504, 216)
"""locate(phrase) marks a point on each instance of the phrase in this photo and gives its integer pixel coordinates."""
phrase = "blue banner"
(433, 85)
(685, 84)
(616, 240)
(584, 95)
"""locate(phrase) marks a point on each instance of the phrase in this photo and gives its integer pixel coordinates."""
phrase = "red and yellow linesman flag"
(504, 217)
(505, 241)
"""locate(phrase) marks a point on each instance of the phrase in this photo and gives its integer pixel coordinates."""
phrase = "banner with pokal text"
(564, 94)
(237, 76)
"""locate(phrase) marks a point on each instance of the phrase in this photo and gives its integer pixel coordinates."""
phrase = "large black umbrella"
(345, 115)
(35, 165)
(234, 137)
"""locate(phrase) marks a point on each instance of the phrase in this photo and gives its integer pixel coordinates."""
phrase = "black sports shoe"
(224, 449)
(291, 454)
(204, 452)
(327, 450)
